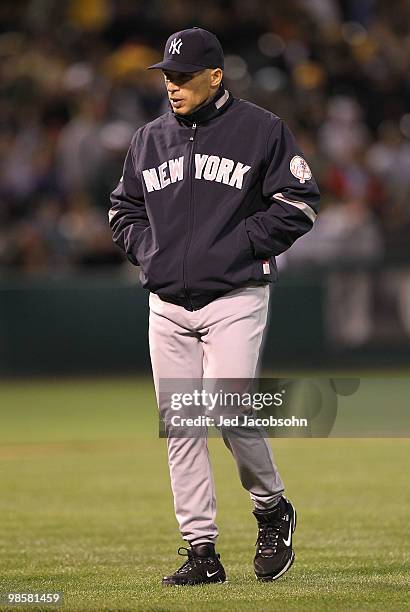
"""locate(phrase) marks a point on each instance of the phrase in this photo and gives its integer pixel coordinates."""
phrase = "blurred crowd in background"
(74, 88)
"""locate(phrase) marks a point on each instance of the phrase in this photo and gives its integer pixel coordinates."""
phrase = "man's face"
(186, 91)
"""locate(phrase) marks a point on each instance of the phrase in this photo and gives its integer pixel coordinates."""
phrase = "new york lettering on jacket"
(207, 201)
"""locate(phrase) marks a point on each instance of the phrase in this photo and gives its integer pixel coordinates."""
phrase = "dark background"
(74, 88)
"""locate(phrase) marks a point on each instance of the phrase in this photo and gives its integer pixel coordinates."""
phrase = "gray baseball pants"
(221, 340)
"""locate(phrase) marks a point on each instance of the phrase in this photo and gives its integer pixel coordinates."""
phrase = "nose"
(172, 87)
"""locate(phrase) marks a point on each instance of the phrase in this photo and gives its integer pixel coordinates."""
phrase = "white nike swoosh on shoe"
(289, 538)
(209, 575)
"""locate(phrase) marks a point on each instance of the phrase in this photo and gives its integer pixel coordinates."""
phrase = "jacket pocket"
(144, 245)
(145, 254)
(238, 255)
(261, 269)
(245, 244)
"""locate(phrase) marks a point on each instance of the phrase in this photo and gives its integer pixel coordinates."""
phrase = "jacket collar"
(219, 103)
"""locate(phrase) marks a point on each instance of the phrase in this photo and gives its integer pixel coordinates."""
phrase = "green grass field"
(86, 510)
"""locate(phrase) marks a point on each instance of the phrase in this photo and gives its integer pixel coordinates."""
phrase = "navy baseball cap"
(191, 50)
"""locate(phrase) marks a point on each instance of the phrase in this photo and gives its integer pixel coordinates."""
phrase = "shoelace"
(268, 536)
(190, 562)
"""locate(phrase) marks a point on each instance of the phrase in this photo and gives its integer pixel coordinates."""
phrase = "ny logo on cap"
(175, 46)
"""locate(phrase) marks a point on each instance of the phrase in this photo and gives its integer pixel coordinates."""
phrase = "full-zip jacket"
(208, 200)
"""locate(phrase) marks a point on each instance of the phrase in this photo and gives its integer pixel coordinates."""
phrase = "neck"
(205, 102)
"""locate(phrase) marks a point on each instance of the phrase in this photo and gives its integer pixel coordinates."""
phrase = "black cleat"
(202, 567)
(274, 554)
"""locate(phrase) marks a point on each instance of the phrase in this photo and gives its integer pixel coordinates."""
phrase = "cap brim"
(176, 66)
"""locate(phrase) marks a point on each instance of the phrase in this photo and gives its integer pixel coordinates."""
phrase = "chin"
(182, 111)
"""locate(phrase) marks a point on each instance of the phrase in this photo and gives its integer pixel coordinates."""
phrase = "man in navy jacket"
(211, 192)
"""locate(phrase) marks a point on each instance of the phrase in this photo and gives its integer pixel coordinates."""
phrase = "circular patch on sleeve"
(300, 169)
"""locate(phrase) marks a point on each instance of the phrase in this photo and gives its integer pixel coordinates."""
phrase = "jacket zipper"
(190, 216)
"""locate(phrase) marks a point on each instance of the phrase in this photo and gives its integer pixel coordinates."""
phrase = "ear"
(216, 77)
